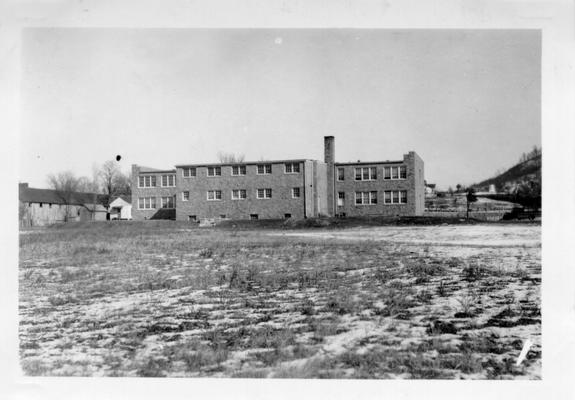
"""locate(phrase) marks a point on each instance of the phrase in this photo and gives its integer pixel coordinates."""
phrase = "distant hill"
(525, 173)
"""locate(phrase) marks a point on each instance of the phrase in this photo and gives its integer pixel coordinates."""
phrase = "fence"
(494, 215)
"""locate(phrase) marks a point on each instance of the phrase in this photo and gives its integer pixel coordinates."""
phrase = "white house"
(121, 208)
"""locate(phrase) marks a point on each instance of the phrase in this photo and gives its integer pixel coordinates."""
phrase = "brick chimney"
(329, 159)
(329, 149)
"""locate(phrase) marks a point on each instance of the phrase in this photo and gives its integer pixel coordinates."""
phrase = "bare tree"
(230, 157)
(65, 184)
(113, 181)
(87, 185)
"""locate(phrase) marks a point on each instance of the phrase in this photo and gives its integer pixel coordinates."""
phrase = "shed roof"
(32, 195)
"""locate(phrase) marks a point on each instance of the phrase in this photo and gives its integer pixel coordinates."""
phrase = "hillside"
(525, 172)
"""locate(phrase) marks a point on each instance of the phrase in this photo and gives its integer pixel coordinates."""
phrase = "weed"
(206, 253)
(307, 307)
(441, 289)
(341, 303)
(62, 299)
(467, 302)
(474, 272)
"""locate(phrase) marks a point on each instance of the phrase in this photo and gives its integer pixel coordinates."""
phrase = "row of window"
(242, 194)
(149, 203)
(370, 198)
(370, 173)
(361, 173)
(240, 170)
(145, 181)
(361, 198)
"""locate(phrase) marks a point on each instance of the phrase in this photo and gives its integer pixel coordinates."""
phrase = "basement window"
(254, 217)
(287, 216)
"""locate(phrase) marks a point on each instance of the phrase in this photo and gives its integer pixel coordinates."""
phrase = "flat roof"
(371, 162)
(158, 171)
(243, 163)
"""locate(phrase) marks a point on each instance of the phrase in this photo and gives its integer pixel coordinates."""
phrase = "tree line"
(107, 179)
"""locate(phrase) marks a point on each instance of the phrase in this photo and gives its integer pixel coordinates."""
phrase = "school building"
(296, 188)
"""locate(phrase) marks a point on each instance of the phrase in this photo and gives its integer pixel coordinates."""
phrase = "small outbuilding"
(121, 208)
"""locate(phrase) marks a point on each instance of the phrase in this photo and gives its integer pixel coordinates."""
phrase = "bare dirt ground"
(454, 301)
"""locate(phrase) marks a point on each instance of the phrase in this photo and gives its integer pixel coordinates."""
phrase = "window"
(146, 203)
(223, 216)
(264, 194)
(398, 172)
(287, 215)
(292, 168)
(395, 197)
(167, 202)
(403, 197)
(365, 174)
(264, 169)
(189, 172)
(295, 193)
(253, 217)
(40, 204)
(192, 218)
(168, 180)
(238, 170)
(365, 198)
(50, 205)
(214, 171)
(340, 174)
(340, 199)
(185, 195)
(239, 194)
(214, 195)
(146, 181)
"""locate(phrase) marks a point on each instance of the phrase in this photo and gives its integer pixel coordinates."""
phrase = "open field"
(161, 299)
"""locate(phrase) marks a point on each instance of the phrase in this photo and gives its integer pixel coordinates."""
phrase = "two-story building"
(295, 188)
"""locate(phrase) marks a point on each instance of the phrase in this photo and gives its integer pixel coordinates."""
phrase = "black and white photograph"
(283, 203)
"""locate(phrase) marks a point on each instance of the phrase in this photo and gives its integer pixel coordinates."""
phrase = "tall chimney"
(329, 149)
(329, 159)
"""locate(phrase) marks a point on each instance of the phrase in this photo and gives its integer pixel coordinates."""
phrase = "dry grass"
(160, 299)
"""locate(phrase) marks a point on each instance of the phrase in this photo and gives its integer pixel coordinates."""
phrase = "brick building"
(298, 188)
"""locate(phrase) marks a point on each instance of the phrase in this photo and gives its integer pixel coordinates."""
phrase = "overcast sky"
(468, 102)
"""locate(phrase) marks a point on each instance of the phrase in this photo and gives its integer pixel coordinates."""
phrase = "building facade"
(153, 193)
(298, 188)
